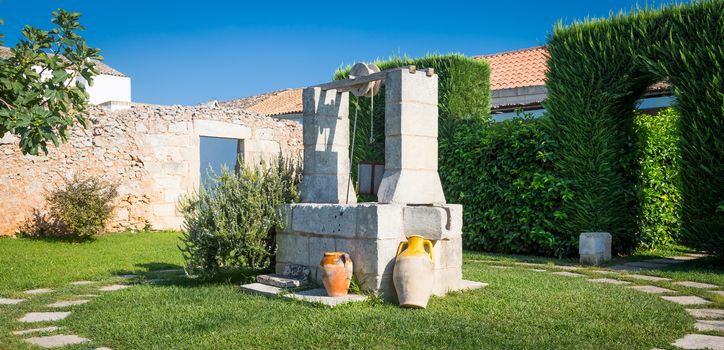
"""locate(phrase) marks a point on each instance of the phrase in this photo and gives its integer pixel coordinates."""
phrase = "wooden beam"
(349, 84)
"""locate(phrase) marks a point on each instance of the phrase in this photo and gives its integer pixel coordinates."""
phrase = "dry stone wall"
(151, 151)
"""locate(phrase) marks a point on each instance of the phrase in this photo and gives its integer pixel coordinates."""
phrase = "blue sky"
(187, 52)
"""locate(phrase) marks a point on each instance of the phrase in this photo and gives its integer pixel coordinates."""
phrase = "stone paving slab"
(687, 300)
(113, 288)
(709, 325)
(645, 265)
(56, 341)
(568, 274)
(466, 285)
(103, 348)
(4, 301)
(700, 341)
(319, 295)
(652, 289)
(648, 278)
(43, 316)
(37, 330)
(696, 285)
(665, 261)
(537, 270)
(281, 281)
(608, 280)
(81, 283)
(127, 276)
(38, 291)
(67, 303)
(684, 257)
(706, 313)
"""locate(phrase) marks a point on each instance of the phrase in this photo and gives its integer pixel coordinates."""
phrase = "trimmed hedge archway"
(597, 71)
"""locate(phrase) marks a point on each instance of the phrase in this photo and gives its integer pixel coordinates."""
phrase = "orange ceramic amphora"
(336, 273)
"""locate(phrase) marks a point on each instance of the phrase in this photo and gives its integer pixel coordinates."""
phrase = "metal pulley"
(366, 89)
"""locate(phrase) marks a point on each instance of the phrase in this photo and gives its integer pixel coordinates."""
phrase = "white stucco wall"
(109, 88)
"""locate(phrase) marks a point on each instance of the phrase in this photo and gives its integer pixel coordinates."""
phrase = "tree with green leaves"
(42, 83)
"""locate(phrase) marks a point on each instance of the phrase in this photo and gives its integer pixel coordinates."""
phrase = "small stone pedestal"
(594, 248)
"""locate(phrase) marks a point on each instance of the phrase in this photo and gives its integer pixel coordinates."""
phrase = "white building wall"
(109, 88)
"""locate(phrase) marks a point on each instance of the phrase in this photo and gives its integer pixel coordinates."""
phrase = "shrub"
(597, 70)
(463, 94)
(658, 162)
(502, 173)
(231, 222)
(81, 208)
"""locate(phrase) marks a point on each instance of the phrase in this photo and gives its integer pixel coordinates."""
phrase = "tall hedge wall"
(596, 71)
(463, 94)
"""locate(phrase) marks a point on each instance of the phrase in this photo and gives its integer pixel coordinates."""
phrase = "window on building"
(217, 153)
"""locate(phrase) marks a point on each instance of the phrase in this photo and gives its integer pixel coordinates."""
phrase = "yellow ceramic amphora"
(413, 274)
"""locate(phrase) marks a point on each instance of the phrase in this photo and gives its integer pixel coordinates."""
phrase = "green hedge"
(502, 173)
(658, 163)
(463, 94)
(597, 70)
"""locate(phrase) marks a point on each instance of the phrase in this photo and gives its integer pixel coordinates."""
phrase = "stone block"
(215, 128)
(410, 152)
(379, 221)
(316, 101)
(411, 119)
(429, 222)
(594, 248)
(265, 134)
(411, 187)
(401, 85)
(455, 214)
(326, 219)
(327, 189)
(326, 130)
(331, 160)
(446, 280)
(293, 249)
(369, 257)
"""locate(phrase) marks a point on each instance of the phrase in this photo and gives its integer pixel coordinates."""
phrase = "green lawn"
(520, 309)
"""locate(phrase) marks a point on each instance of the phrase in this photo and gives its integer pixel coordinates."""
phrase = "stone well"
(411, 199)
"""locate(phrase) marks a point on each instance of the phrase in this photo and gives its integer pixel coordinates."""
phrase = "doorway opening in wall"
(217, 153)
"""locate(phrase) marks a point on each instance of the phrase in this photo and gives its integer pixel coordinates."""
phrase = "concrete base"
(594, 248)
(371, 234)
(317, 295)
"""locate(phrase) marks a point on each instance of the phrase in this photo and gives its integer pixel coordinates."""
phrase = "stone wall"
(151, 151)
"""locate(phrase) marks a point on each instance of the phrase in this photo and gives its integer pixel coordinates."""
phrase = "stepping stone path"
(652, 289)
(695, 285)
(648, 278)
(81, 283)
(68, 303)
(39, 291)
(608, 280)
(37, 330)
(4, 301)
(43, 316)
(568, 274)
(687, 300)
(56, 341)
(700, 341)
(706, 313)
(709, 325)
(113, 288)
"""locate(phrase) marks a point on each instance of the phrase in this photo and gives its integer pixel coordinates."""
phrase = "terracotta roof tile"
(520, 68)
(274, 103)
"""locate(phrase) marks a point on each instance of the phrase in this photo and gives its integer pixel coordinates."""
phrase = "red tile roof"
(274, 103)
(520, 68)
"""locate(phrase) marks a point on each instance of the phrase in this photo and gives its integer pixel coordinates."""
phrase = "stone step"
(281, 281)
(318, 295)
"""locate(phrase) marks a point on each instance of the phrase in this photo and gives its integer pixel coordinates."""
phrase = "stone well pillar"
(411, 139)
(326, 148)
